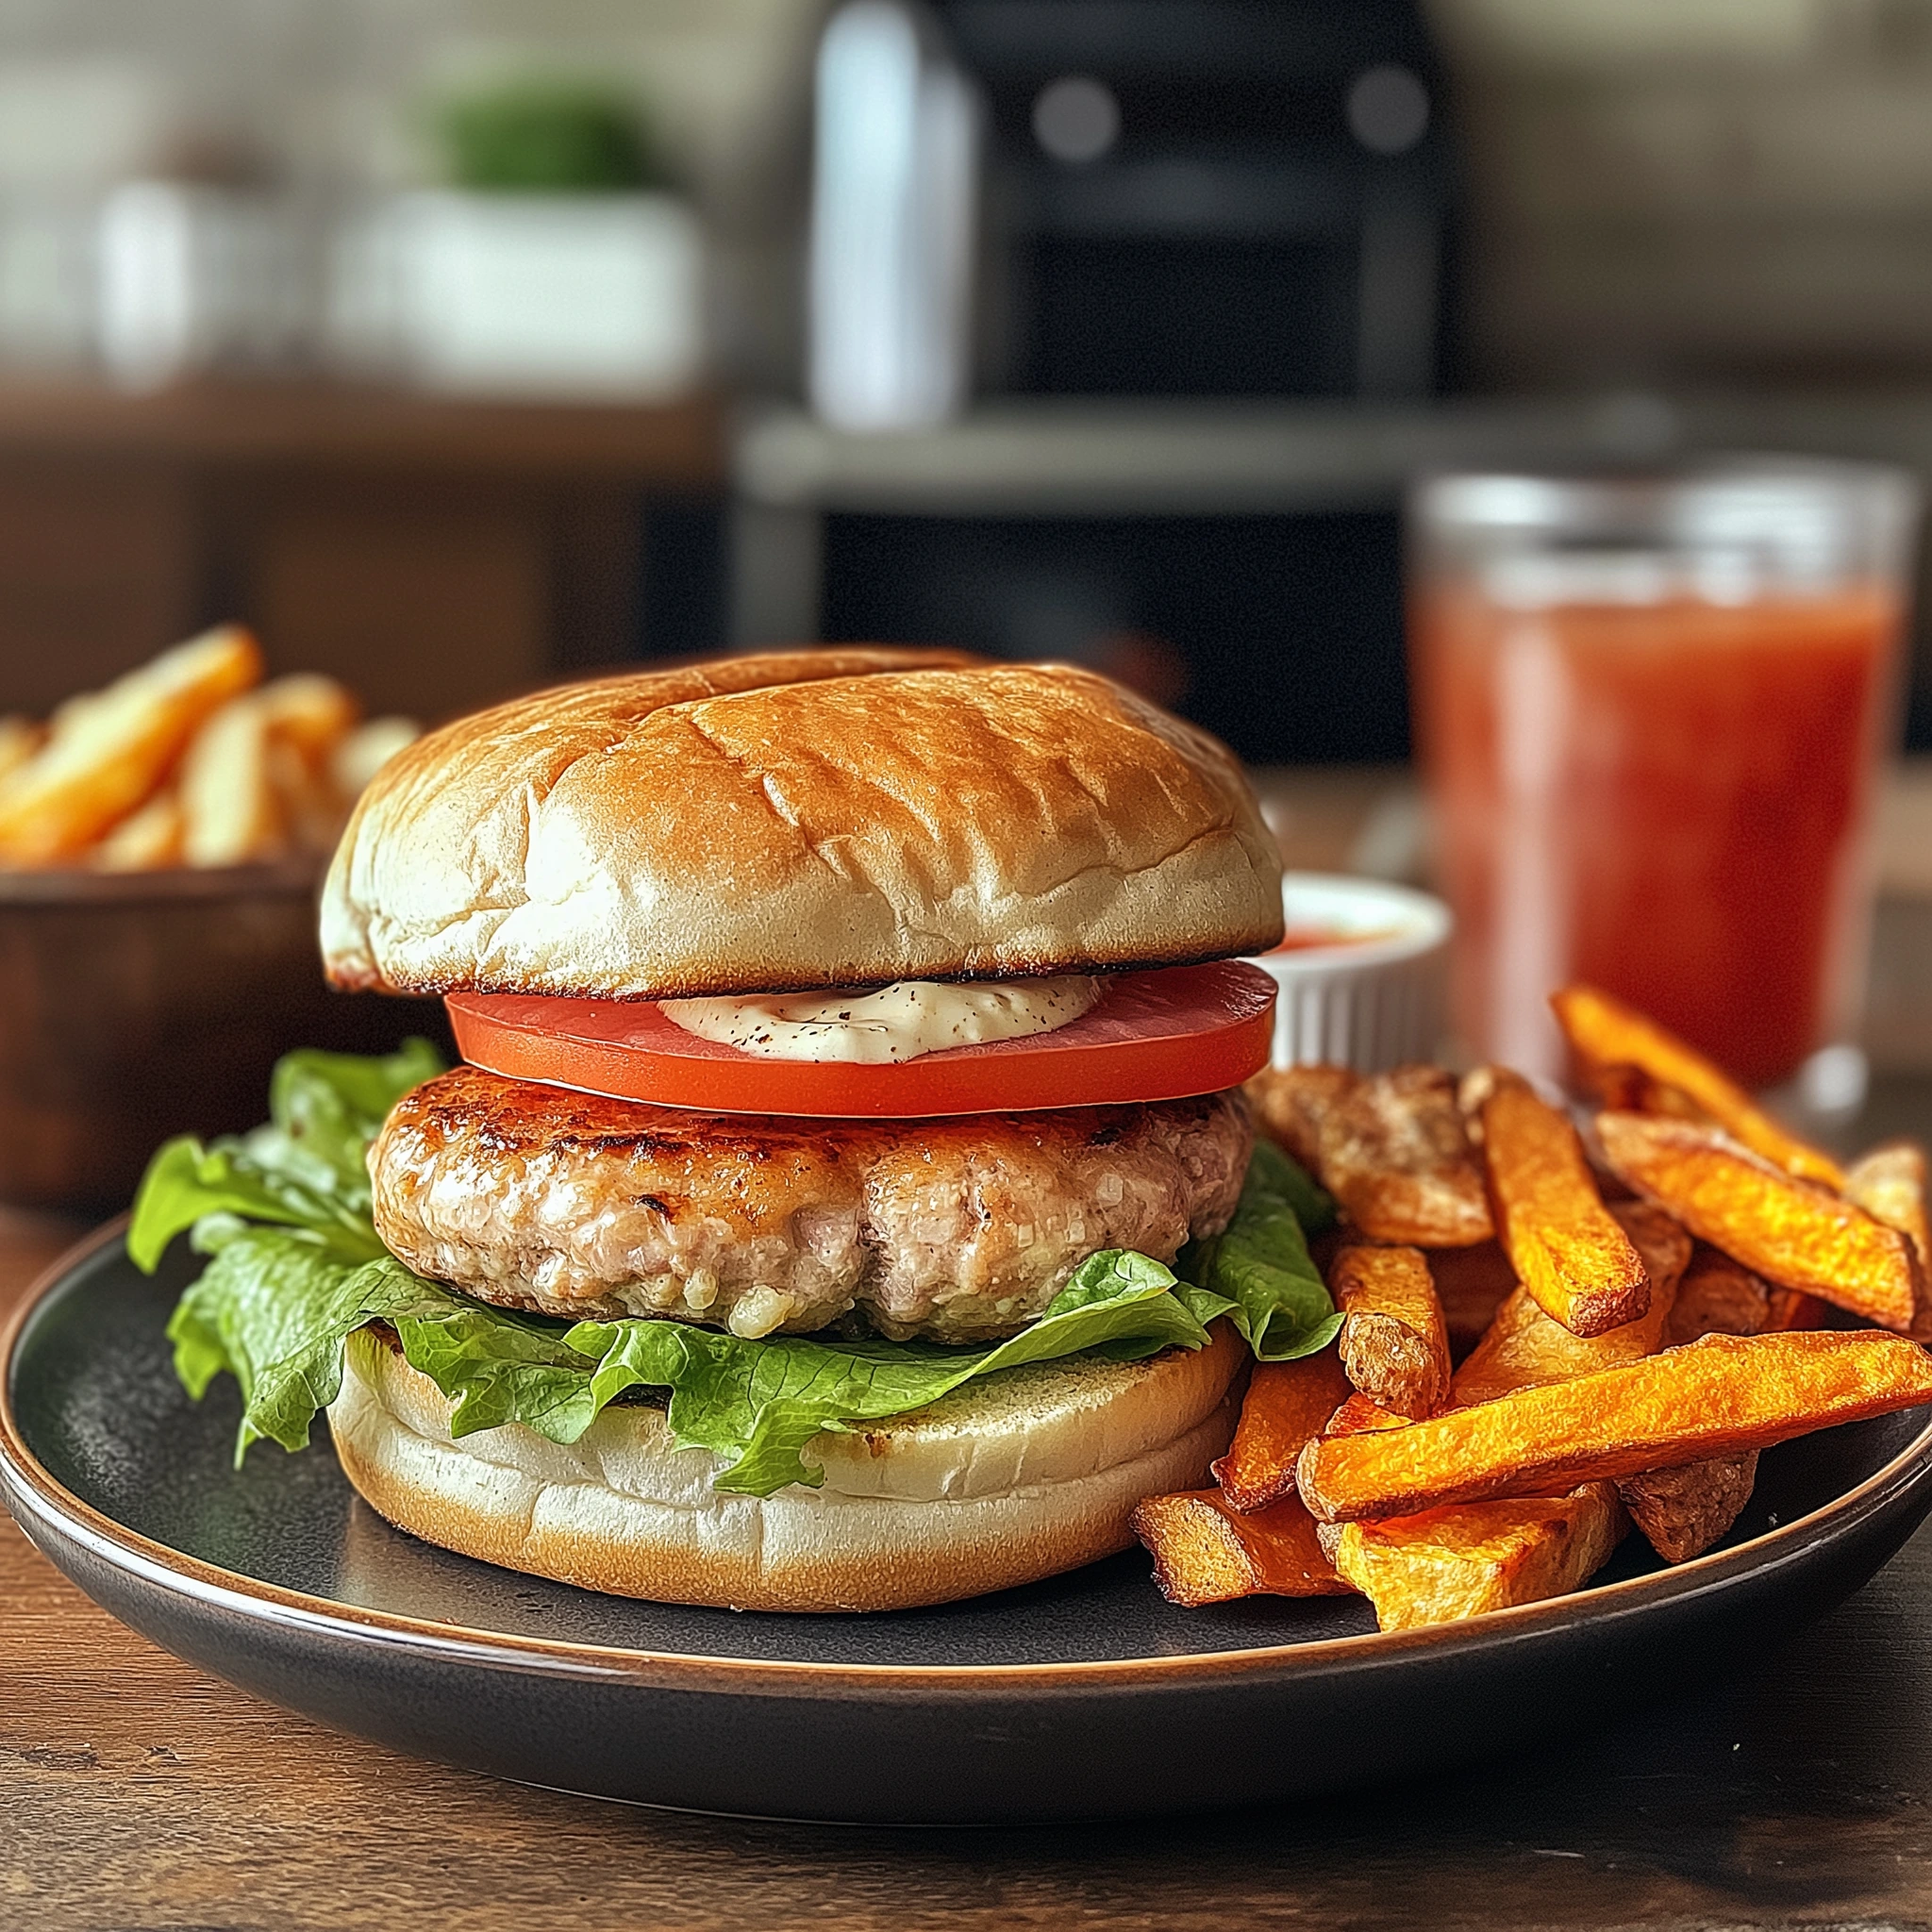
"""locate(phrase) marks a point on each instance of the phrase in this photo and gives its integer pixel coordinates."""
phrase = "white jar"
(1362, 972)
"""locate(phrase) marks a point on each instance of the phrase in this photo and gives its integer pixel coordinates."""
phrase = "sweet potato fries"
(1564, 1242)
(1719, 1396)
(1622, 1362)
(1793, 1232)
(1632, 1061)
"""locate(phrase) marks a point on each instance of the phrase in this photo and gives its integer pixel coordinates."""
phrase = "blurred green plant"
(538, 136)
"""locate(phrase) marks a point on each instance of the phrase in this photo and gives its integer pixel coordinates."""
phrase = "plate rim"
(31, 1490)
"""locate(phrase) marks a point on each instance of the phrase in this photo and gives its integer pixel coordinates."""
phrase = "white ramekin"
(1368, 1002)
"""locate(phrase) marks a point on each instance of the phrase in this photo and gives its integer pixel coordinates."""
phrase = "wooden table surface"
(137, 1794)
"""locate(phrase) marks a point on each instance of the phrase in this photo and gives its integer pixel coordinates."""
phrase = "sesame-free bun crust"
(801, 819)
(1030, 1473)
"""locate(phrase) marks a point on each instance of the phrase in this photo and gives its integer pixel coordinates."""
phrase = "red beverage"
(1670, 801)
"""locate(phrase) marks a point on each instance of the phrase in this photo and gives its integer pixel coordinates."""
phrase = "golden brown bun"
(1030, 1473)
(814, 818)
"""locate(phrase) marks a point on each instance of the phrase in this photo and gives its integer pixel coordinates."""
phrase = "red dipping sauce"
(1310, 939)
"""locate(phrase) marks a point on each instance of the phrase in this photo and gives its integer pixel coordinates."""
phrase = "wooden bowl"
(138, 1004)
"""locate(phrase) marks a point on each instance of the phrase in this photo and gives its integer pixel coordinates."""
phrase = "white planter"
(559, 295)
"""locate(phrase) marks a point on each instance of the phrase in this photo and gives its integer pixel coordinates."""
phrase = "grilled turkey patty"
(537, 1197)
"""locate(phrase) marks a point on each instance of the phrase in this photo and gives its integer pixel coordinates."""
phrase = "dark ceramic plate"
(1084, 1697)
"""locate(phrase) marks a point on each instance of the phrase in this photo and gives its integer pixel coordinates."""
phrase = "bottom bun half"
(1029, 1474)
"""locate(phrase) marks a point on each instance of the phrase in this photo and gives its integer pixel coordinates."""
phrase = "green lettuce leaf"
(305, 1168)
(1313, 1205)
(277, 1303)
(497, 1366)
(325, 1109)
(276, 1309)
(759, 1403)
(273, 1308)
(1261, 1263)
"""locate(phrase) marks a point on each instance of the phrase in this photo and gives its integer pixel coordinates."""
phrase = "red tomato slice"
(1151, 1036)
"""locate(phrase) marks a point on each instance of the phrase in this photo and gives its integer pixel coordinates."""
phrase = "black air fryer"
(1209, 197)
(1190, 199)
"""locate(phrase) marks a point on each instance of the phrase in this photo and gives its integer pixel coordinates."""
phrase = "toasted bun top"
(801, 819)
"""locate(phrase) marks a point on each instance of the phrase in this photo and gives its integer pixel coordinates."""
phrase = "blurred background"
(456, 343)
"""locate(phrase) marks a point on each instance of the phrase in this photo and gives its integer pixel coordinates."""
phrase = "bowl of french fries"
(162, 841)
(1558, 1329)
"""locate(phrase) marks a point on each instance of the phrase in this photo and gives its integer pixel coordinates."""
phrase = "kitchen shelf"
(436, 553)
(1106, 457)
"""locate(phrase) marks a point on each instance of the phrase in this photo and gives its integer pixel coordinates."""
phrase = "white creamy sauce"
(897, 1023)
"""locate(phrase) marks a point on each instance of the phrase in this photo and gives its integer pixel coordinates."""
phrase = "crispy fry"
(1293, 1104)
(1354, 1415)
(231, 813)
(1448, 1564)
(306, 805)
(1683, 1511)
(1441, 1564)
(1630, 1089)
(1392, 1148)
(106, 757)
(1445, 1563)
(1287, 1404)
(1721, 1397)
(1789, 1308)
(1716, 1297)
(1206, 1552)
(1404, 1169)
(1565, 1246)
(1625, 1371)
(1393, 1341)
(1609, 1036)
(1526, 1347)
(144, 839)
(366, 750)
(306, 716)
(309, 712)
(72, 712)
(1888, 1183)
(1792, 1232)
(1361, 1413)
(1663, 1246)
(20, 737)
(1471, 1284)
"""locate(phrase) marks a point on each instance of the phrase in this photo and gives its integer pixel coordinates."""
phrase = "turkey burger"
(847, 1201)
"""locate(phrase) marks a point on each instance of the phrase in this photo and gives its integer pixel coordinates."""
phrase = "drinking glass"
(1650, 712)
